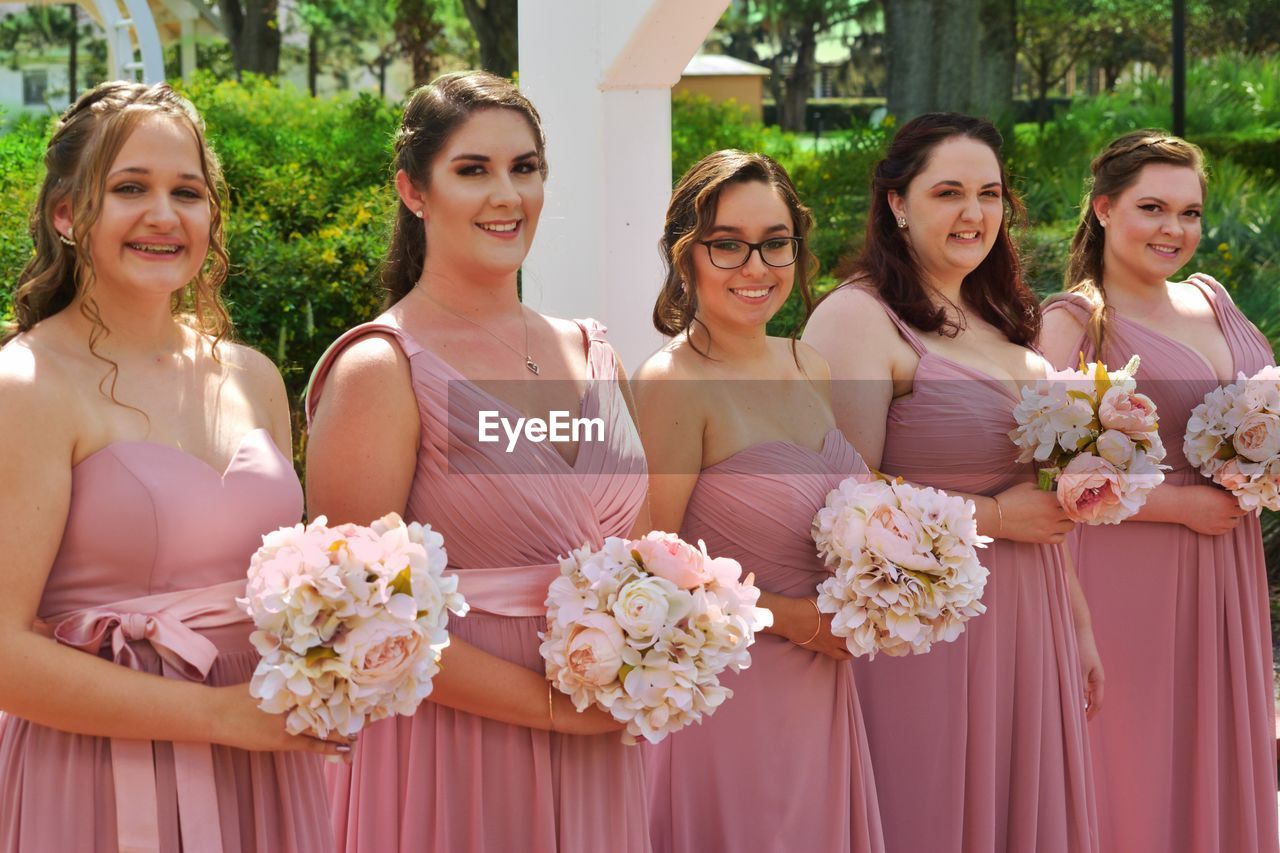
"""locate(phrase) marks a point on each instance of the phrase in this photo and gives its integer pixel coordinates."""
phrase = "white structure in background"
(135, 31)
(133, 42)
(601, 73)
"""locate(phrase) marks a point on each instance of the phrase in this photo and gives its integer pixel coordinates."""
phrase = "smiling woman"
(495, 759)
(743, 448)
(928, 343)
(1179, 590)
(140, 453)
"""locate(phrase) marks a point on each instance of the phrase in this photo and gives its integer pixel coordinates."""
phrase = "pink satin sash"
(170, 623)
(508, 591)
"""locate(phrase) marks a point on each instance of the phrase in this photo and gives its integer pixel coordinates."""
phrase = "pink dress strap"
(170, 623)
(382, 325)
(601, 357)
(1081, 309)
(907, 333)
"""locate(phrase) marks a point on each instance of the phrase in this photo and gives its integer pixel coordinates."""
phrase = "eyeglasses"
(731, 254)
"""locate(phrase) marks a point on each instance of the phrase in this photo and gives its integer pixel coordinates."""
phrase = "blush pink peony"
(1258, 437)
(668, 556)
(1129, 412)
(1089, 488)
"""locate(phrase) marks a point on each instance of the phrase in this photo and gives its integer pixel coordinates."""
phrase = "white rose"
(648, 603)
(1115, 447)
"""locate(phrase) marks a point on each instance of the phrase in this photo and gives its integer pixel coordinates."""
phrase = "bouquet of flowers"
(906, 567)
(1233, 437)
(350, 621)
(644, 627)
(1096, 438)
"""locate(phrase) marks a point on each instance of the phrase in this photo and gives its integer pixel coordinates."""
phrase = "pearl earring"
(66, 238)
(418, 213)
(902, 222)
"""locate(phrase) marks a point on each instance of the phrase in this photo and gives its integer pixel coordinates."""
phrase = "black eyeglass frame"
(758, 248)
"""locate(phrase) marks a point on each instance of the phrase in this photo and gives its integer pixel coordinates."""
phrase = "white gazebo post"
(601, 73)
(133, 42)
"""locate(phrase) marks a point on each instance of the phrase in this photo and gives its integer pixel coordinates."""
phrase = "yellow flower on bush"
(329, 256)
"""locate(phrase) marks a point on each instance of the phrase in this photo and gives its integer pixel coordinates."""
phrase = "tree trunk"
(313, 63)
(993, 90)
(798, 85)
(73, 43)
(494, 22)
(252, 28)
(957, 38)
(909, 49)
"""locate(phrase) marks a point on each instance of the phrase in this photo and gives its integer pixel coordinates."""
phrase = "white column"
(601, 73)
(121, 32)
(188, 37)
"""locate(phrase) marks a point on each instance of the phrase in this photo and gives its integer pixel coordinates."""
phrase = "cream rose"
(644, 606)
(1088, 488)
(1115, 447)
(668, 556)
(1258, 437)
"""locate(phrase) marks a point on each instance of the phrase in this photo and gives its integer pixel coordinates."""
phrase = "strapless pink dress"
(148, 521)
(1184, 748)
(979, 746)
(444, 780)
(784, 764)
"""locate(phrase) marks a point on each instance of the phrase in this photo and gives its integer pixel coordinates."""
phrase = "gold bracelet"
(551, 709)
(999, 516)
(818, 628)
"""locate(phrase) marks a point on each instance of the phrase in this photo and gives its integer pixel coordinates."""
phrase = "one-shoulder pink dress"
(155, 550)
(1184, 747)
(444, 780)
(979, 745)
(784, 764)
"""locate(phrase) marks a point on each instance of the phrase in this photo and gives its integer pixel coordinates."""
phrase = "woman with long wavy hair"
(979, 746)
(143, 456)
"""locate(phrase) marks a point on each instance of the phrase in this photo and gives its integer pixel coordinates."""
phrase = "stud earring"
(418, 213)
(902, 222)
(66, 238)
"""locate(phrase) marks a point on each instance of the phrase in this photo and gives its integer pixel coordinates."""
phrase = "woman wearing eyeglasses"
(743, 449)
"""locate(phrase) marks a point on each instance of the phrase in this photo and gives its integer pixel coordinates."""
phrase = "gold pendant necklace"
(529, 363)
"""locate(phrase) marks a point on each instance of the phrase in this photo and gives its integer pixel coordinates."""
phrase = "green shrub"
(21, 153)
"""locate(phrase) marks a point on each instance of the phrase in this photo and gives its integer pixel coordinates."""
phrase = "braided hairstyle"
(1111, 173)
(85, 142)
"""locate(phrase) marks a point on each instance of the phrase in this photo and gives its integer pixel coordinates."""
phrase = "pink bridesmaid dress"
(155, 550)
(449, 781)
(784, 764)
(979, 746)
(1184, 747)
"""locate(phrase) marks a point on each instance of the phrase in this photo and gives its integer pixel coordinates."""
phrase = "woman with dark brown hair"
(743, 449)
(496, 759)
(979, 745)
(142, 456)
(1185, 754)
